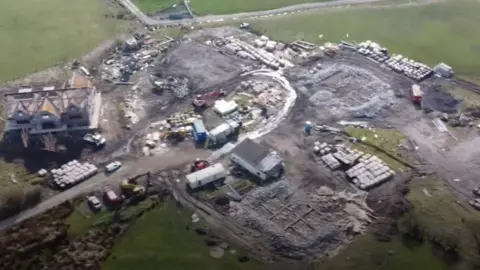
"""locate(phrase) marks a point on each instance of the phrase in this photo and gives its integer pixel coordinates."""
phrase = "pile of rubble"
(364, 170)
(73, 173)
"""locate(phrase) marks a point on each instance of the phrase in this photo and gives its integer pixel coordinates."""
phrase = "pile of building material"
(73, 173)
(335, 155)
(300, 44)
(365, 170)
(369, 172)
(224, 107)
(258, 54)
(347, 156)
(137, 53)
(409, 67)
(398, 63)
(331, 161)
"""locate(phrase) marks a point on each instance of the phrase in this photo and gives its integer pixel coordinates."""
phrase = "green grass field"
(365, 253)
(151, 6)
(160, 240)
(206, 7)
(442, 218)
(442, 32)
(36, 34)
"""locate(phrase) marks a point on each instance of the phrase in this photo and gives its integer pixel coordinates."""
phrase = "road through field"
(215, 18)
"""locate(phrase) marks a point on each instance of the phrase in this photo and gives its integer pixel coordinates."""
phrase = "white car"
(244, 25)
(94, 203)
(96, 139)
(111, 167)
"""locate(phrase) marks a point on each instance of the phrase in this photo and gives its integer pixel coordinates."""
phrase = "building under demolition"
(46, 113)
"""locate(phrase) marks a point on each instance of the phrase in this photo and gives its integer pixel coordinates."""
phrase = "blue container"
(199, 132)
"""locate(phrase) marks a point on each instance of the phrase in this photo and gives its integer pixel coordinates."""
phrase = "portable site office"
(206, 176)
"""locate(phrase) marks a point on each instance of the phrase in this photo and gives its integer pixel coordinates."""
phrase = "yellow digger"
(131, 188)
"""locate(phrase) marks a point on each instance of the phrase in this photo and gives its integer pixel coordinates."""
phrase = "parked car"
(95, 139)
(110, 197)
(111, 167)
(94, 203)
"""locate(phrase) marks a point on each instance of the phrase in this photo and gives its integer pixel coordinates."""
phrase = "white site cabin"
(206, 176)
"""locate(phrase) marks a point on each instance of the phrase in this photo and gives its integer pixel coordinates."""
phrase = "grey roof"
(269, 162)
(251, 151)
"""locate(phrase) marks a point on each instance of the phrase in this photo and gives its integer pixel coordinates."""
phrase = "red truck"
(416, 94)
(110, 197)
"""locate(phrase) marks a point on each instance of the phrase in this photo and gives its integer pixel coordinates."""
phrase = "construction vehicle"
(199, 164)
(206, 100)
(131, 188)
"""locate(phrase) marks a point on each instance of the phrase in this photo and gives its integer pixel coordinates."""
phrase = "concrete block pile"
(370, 171)
(331, 161)
(73, 173)
(347, 156)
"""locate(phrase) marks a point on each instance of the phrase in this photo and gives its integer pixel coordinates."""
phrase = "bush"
(18, 200)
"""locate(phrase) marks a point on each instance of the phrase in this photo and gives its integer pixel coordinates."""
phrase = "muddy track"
(462, 83)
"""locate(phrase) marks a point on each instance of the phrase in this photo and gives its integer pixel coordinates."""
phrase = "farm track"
(462, 83)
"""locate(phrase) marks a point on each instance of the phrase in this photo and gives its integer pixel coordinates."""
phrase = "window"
(23, 121)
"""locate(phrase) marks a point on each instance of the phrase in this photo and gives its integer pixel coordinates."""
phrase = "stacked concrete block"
(347, 156)
(370, 171)
(73, 173)
(331, 161)
(322, 148)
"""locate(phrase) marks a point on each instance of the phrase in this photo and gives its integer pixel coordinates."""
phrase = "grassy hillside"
(160, 240)
(205, 7)
(442, 32)
(151, 6)
(36, 34)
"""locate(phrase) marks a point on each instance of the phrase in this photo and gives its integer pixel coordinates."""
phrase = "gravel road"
(215, 18)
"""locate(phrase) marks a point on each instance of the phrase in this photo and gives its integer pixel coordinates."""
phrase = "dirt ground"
(291, 218)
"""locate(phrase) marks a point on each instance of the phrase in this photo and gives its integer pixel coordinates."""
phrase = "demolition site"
(278, 146)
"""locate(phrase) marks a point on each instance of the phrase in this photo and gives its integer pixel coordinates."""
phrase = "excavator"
(131, 188)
